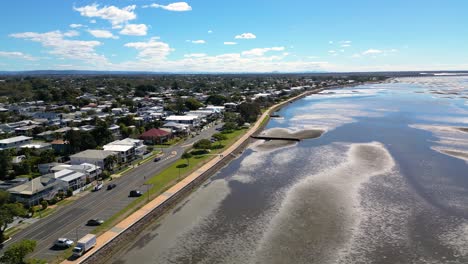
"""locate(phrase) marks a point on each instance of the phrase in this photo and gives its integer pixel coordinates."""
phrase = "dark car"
(135, 193)
(111, 186)
(95, 222)
(157, 159)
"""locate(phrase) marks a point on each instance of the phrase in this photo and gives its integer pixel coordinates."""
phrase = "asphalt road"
(70, 221)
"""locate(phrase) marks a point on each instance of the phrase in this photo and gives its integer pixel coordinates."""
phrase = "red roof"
(154, 132)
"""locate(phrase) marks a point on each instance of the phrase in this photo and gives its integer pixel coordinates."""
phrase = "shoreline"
(123, 232)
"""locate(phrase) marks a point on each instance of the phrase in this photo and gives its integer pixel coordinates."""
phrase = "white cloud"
(260, 51)
(16, 55)
(117, 16)
(245, 36)
(71, 33)
(195, 55)
(151, 50)
(76, 25)
(92, 21)
(331, 51)
(374, 52)
(99, 33)
(134, 30)
(210, 31)
(345, 45)
(346, 42)
(65, 48)
(330, 42)
(199, 41)
(230, 43)
(177, 7)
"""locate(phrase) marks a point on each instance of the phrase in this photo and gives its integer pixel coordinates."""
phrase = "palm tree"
(187, 155)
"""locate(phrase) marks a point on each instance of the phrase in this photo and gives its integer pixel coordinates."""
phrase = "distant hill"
(310, 73)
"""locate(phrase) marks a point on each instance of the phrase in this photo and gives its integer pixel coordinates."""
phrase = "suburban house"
(101, 158)
(192, 120)
(137, 144)
(37, 189)
(125, 152)
(156, 136)
(14, 142)
(90, 170)
(37, 146)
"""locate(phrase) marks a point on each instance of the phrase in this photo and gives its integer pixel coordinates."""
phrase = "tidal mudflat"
(380, 176)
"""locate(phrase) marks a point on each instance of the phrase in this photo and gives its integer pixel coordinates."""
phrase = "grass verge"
(167, 178)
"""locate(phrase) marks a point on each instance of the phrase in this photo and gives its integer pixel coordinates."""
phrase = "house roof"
(117, 148)
(155, 132)
(34, 186)
(14, 139)
(93, 154)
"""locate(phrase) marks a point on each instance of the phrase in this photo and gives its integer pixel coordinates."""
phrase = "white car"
(64, 242)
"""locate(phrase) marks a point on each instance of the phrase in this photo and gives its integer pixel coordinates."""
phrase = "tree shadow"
(181, 166)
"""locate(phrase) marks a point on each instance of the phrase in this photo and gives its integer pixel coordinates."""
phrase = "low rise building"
(191, 120)
(156, 136)
(15, 142)
(102, 158)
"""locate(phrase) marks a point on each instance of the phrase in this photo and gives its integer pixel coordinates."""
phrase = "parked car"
(111, 186)
(157, 159)
(95, 222)
(98, 187)
(63, 243)
(135, 193)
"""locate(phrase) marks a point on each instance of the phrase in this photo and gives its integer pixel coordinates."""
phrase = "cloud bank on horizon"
(206, 36)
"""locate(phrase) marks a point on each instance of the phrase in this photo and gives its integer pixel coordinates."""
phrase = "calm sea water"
(387, 183)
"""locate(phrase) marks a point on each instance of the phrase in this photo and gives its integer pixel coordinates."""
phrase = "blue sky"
(234, 36)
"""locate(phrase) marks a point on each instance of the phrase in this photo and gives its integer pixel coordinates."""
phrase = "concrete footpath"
(160, 201)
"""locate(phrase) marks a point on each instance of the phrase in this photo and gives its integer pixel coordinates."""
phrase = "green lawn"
(167, 178)
(169, 143)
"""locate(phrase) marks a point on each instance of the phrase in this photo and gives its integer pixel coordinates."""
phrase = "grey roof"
(93, 154)
(14, 139)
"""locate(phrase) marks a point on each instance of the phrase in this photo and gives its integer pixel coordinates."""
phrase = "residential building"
(14, 142)
(125, 153)
(90, 170)
(101, 158)
(37, 189)
(192, 120)
(156, 136)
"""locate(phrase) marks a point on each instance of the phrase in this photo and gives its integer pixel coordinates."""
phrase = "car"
(135, 193)
(157, 159)
(95, 222)
(98, 187)
(63, 242)
(111, 186)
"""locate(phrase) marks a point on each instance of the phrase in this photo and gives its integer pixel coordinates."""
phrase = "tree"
(202, 144)
(229, 126)
(5, 164)
(219, 136)
(44, 204)
(47, 156)
(216, 99)
(8, 211)
(249, 111)
(187, 156)
(16, 253)
(192, 104)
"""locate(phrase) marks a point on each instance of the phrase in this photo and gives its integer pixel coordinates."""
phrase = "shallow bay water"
(386, 182)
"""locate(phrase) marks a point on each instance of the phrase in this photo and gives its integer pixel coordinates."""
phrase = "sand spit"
(453, 141)
(322, 211)
(459, 154)
(283, 132)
